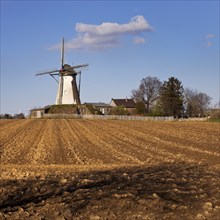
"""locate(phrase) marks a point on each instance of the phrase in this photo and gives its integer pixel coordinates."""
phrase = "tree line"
(169, 98)
(9, 116)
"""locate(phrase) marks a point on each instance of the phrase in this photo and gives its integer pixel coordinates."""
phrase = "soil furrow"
(22, 147)
(99, 146)
(142, 146)
(111, 145)
(175, 147)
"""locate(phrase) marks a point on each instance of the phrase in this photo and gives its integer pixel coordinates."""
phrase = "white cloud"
(106, 35)
(209, 44)
(136, 25)
(89, 42)
(139, 40)
(208, 36)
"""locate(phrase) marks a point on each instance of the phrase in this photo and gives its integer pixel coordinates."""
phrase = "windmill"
(68, 92)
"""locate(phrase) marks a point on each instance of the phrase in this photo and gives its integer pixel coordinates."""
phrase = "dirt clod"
(89, 169)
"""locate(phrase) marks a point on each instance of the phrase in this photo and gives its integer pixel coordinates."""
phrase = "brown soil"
(90, 169)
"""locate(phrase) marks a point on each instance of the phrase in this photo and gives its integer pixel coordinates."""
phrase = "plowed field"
(109, 169)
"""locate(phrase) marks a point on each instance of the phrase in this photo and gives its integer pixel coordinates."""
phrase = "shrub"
(63, 109)
(215, 114)
(119, 110)
(140, 108)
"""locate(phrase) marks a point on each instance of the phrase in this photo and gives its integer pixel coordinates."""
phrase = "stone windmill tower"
(68, 92)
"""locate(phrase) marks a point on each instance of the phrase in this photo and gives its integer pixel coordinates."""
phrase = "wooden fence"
(109, 117)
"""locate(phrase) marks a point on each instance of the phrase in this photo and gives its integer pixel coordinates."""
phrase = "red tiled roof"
(127, 103)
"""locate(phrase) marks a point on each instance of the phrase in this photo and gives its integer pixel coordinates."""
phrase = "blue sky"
(122, 41)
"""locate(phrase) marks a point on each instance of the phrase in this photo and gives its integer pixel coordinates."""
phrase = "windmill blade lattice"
(67, 93)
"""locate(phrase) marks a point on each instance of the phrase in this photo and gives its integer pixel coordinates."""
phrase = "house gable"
(127, 103)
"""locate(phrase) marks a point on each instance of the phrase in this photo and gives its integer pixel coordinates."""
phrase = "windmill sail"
(67, 92)
(62, 53)
(79, 83)
(60, 87)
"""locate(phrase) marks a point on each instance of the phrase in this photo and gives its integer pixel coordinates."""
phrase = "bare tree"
(196, 102)
(147, 92)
